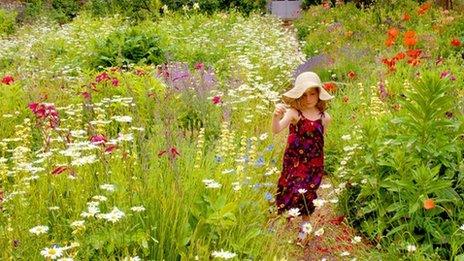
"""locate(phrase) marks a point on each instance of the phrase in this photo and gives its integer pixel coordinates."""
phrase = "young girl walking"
(303, 162)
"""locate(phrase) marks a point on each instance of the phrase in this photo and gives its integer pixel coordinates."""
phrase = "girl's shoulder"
(326, 118)
(294, 115)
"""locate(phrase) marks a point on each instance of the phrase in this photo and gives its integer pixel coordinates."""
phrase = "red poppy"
(429, 204)
(330, 86)
(414, 62)
(406, 17)
(7, 79)
(351, 74)
(423, 8)
(399, 56)
(455, 42)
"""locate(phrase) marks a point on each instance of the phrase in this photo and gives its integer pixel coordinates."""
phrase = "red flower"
(329, 86)
(399, 56)
(115, 82)
(337, 220)
(45, 110)
(406, 17)
(216, 99)
(110, 148)
(173, 152)
(455, 42)
(199, 66)
(59, 170)
(102, 77)
(414, 54)
(351, 74)
(423, 8)
(7, 79)
(86, 95)
(414, 61)
(391, 63)
(410, 39)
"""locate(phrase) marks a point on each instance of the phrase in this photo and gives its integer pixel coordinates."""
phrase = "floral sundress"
(303, 166)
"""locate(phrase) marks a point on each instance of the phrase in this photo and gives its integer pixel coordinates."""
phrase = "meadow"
(150, 139)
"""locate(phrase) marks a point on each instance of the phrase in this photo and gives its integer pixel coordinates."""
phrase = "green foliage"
(128, 46)
(134, 9)
(7, 22)
(209, 6)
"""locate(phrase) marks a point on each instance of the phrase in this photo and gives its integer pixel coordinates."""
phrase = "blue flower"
(260, 162)
(270, 147)
(268, 196)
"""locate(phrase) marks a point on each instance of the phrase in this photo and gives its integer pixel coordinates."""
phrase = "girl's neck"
(311, 110)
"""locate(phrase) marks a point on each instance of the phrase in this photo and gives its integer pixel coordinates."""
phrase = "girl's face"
(310, 98)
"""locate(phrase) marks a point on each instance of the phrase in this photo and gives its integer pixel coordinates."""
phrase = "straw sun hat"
(303, 82)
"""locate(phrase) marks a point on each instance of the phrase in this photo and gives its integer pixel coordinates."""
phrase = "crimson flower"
(217, 99)
(456, 42)
(102, 77)
(7, 79)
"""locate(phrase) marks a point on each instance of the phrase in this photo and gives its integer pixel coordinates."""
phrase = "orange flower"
(393, 32)
(414, 54)
(330, 86)
(406, 17)
(410, 34)
(414, 61)
(391, 63)
(423, 8)
(429, 204)
(455, 42)
(400, 56)
(389, 42)
(351, 74)
(410, 42)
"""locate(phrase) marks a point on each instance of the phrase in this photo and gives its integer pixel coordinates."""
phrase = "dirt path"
(339, 241)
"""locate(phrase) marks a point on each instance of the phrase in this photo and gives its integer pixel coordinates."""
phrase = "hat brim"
(296, 92)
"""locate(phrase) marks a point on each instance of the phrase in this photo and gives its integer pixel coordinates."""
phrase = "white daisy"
(307, 227)
(294, 212)
(223, 254)
(356, 240)
(108, 187)
(52, 253)
(37, 230)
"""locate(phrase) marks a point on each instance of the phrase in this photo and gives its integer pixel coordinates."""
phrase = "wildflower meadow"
(143, 132)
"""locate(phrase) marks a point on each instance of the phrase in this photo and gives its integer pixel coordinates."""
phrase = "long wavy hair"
(296, 103)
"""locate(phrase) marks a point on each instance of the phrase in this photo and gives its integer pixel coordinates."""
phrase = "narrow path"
(339, 241)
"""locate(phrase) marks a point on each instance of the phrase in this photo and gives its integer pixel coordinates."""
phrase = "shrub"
(128, 46)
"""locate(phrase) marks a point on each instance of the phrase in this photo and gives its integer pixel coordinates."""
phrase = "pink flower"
(110, 148)
(115, 82)
(216, 99)
(86, 95)
(102, 77)
(7, 79)
(98, 139)
(44, 111)
(199, 66)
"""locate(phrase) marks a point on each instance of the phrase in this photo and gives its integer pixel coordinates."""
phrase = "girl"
(303, 162)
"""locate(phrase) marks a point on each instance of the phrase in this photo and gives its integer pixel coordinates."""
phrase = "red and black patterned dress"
(303, 166)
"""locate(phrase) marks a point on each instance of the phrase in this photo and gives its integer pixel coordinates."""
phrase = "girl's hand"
(280, 109)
